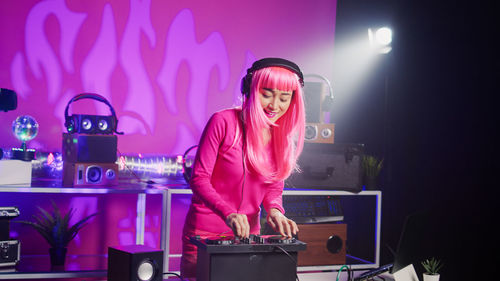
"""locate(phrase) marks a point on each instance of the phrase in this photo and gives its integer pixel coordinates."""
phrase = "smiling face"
(274, 102)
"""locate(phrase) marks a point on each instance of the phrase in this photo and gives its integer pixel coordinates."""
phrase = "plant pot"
(57, 256)
(370, 182)
(431, 277)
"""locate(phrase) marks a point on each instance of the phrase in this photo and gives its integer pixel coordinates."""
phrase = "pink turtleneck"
(220, 182)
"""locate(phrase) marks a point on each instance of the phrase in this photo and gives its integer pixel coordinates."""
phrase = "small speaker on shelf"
(135, 263)
(319, 132)
(90, 174)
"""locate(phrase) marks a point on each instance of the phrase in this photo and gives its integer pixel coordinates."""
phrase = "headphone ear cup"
(245, 85)
(70, 124)
(187, 174)
(327, 105)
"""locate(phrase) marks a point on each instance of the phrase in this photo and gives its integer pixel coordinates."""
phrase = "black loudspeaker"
(8, 100)
(135, 263)
(89, 148)
(90, 174)
(91, 124)
(246, 82)
(329, 166)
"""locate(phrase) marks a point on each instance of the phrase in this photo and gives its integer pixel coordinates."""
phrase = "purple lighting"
(181, 47)
(165, 66)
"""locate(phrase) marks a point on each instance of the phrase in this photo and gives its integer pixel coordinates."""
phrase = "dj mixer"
(254, 243)
(259, 257)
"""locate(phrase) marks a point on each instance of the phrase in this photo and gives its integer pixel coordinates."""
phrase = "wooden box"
(317, 237)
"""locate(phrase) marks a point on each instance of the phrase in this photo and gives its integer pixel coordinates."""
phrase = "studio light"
(380, 39)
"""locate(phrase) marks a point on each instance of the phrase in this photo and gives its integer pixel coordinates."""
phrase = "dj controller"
(258, 257)
(254, 243)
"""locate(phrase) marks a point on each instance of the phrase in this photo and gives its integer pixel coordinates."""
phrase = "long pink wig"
(287, 134)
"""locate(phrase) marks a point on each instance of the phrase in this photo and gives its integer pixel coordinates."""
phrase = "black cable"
(175, 274)
(187, 171)
(350, 273)
(291, 258)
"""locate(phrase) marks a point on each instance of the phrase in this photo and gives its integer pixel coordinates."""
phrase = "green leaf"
(54, 226)
(432, 266)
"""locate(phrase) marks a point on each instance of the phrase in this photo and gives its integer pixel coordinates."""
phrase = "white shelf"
(54, 187)
(167, 220)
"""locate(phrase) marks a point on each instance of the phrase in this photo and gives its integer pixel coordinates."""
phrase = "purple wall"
(165, 66)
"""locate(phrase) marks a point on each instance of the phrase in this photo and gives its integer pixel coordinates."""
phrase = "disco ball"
(25, 128)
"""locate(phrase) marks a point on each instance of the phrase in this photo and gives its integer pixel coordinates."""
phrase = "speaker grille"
(135, 263)
(146, 270)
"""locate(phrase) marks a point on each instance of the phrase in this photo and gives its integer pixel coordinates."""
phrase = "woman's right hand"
(239, 224)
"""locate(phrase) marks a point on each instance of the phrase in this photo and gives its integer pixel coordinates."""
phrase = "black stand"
(23, 153)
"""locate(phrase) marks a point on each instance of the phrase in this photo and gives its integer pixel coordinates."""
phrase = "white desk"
(166, 227)
(166, 224)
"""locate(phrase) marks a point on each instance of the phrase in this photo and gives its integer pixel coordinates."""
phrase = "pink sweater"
(220, 186)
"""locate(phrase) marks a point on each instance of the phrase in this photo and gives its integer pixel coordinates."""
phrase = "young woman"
(244, 156)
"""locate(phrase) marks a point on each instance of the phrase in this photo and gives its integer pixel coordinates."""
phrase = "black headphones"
(187, 171)
(74, 122)
(267, 62)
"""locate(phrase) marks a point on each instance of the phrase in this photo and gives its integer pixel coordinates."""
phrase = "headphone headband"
(268, 62)
(93, 96)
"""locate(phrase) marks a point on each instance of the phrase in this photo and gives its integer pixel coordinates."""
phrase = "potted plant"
(432, 267)
(371, 169)
(54, 228)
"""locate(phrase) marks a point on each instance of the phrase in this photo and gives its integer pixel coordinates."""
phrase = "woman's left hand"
(280, 223)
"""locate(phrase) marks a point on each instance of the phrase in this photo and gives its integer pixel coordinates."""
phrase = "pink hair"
(287, 134)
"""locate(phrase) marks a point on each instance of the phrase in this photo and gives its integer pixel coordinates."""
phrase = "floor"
(328, 276)
(332, 275)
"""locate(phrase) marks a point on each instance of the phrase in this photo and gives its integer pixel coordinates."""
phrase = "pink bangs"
(276, 78)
